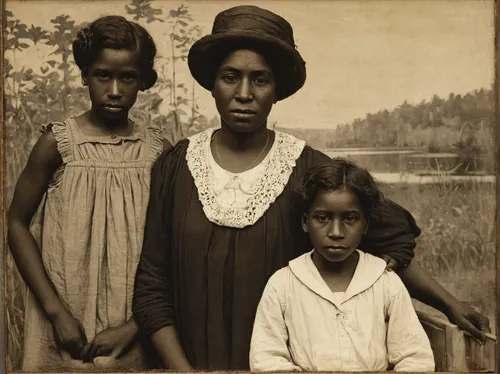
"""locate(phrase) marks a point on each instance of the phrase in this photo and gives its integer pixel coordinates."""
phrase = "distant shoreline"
(410, 178)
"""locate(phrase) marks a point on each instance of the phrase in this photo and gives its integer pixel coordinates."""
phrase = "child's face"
(335, 223)
(114, 79)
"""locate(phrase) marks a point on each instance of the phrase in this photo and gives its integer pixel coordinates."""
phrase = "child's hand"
(69, 334)
(112, 342)
(391, 263)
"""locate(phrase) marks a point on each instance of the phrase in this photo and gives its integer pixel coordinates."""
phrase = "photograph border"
(496, 87)
(3, 217)
(3, 233)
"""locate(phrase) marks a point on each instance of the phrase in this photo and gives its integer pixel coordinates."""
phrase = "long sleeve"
(269, 346)
(153, 292)
(408, 345)
(393, 233)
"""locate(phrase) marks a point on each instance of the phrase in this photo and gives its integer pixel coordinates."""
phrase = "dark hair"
(340, 174)
(117, 33)
(280, 65)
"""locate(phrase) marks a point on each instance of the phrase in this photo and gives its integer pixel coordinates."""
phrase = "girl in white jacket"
(337, 308)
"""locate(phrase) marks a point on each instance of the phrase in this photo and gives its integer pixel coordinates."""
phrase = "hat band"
(255, 23)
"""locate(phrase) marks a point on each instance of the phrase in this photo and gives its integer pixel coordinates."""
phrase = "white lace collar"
(268, 186)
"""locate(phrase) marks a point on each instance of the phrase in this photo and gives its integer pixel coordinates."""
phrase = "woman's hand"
(112, 342)
(69, 334)
(425, 289)
(469, 319)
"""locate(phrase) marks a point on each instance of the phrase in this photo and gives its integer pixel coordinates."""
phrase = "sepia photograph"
(254, 186)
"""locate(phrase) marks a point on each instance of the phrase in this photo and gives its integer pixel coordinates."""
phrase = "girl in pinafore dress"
(89, 178)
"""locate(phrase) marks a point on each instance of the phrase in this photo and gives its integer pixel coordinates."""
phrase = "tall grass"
(457, 247)
(14, 313)
(457, 244)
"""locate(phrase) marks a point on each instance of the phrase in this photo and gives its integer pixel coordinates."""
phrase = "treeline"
(438, 125)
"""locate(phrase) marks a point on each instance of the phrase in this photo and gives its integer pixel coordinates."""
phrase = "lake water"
(392, 165)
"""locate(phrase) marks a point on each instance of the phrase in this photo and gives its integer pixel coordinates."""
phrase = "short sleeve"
(61, 133)
(63, 140)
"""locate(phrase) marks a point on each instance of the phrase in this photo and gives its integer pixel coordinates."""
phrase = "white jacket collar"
(368, 270)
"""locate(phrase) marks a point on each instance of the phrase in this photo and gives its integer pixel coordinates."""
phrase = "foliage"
(183, 117)
(143, 9)
(426, 124)
(34, 97)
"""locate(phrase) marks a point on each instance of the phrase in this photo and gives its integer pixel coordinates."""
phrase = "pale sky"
(361, 56)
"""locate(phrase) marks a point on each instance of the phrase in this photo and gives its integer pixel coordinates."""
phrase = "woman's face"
(244, 90)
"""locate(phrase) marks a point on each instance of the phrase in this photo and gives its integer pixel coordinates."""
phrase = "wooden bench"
(455, 350)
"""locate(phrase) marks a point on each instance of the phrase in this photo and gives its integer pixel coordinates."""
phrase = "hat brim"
(206, 54)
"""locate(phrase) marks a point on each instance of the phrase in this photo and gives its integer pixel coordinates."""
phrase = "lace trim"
(156, 143)
(268, 186)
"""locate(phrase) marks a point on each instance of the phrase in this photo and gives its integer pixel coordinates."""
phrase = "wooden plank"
(456, 350)
(436, 331)
(437, 337)
(490, 355)
(480, 357)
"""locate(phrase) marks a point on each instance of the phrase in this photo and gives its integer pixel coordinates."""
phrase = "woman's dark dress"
(207, 280)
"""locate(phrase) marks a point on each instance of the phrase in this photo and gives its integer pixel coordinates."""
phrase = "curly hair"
(340, 174)
(116, 32)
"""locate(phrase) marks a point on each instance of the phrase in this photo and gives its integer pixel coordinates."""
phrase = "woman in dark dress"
(221, 219)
